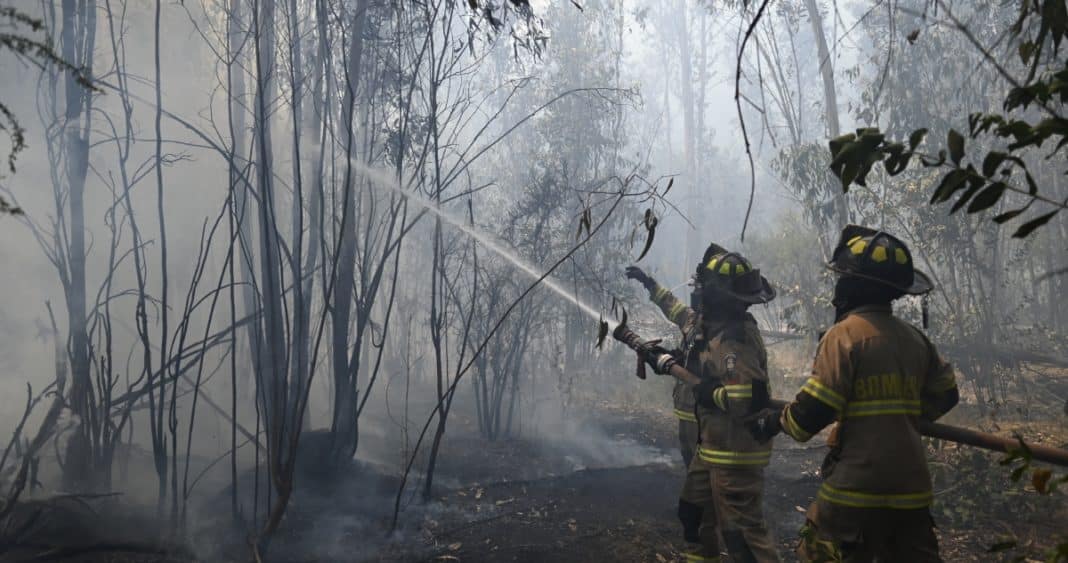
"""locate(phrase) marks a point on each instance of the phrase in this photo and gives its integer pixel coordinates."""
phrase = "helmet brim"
(921, 282)
(764, 295)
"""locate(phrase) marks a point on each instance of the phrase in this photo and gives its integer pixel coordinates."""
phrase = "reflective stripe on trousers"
(729, 458)
(687, 416)
(858, 499)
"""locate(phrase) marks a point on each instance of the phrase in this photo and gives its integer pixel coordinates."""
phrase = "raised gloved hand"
(636, 273)
(764, 424)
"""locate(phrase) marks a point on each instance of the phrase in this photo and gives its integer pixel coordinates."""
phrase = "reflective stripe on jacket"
(876, 375)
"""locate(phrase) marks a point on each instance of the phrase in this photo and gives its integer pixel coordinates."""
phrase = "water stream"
(388, 181)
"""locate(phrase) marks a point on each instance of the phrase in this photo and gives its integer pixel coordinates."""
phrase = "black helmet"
(879, 257)
(730, 273)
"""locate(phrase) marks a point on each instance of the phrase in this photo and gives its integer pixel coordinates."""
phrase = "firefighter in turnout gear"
(723, 494)
(875, 375)
(686, 318)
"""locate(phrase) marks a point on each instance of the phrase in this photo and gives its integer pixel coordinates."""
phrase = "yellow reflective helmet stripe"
(858, 244)
(720, 265)
(824, 394)
(725, 457)
(901, 501)
(685, 415)
(882, 408)
(712, 263)
(878, 254)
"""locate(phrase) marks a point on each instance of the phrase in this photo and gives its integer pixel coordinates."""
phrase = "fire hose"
(974, 438)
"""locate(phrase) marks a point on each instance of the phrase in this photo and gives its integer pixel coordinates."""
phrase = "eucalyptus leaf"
(951, 182)
(916, 137)
(1028, 227)
(992, 161)
(987, 198)
(965, 197)
(955, 143)
(1008, 215)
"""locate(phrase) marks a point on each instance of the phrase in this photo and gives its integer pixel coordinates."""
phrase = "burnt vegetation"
(301, 280)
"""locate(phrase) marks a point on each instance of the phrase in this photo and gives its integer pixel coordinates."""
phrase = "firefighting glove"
(711, 394)
(659, 358)
(764, 424)
(639, 275)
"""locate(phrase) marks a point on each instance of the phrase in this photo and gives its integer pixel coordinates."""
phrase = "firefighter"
(724, 489)
(686, 318)
(876, 375)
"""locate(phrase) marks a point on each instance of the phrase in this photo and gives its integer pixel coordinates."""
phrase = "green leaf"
(973, 122)
(973, 188)
(648, 242)
(992, 161)
(955, 142)
(849, 173)
(987, 198)
(837, 144)
(584, 222)
(1055, 17)
(1033, 224)
(1011, 457)
(1009, 215)
(1026, 49)
(951, 182)
(916, 137)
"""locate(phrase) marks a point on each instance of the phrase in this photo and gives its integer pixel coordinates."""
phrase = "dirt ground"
(628, 513)
(564, 498)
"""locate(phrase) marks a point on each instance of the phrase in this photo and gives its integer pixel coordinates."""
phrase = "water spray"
(389, 182)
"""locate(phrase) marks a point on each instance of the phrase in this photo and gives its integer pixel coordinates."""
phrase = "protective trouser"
(835, 533)
(689, 433)
(733, 506)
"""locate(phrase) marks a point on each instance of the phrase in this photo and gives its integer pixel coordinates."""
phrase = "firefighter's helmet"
(880, 257)
(730, 273)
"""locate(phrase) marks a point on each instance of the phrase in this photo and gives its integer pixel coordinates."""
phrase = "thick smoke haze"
(296, 309)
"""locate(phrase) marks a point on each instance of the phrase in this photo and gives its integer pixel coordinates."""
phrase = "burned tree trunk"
(77, 42)
(830, 98)
(343, 425)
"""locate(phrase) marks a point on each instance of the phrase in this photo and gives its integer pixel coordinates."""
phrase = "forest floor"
(628, 513)
(609, 492)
